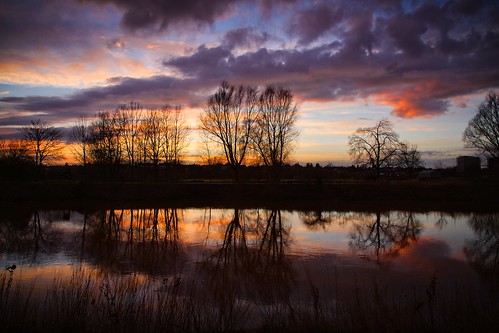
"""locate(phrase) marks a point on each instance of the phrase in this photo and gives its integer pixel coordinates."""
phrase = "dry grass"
(92, 301)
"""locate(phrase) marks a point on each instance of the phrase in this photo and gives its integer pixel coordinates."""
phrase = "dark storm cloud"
(30, 24)
(160, 14)
(313, 22)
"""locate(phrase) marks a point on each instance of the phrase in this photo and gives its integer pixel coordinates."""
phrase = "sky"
(424, 65)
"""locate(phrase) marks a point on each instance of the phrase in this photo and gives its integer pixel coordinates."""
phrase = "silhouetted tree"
(482, 132)
(43, 141)
(129, 117)
(80, 137)
(228, 121)
(105, 139)
(375, 146)
(154, 129)
(13, 152)
(275, 130)
(177, 133)
(409, 157)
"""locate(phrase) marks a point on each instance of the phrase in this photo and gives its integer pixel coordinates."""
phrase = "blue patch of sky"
(11, 90)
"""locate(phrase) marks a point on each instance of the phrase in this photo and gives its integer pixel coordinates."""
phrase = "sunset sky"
(425, 65)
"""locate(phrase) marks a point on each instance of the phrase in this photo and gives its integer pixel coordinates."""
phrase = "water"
(275, 256)
(159, 241)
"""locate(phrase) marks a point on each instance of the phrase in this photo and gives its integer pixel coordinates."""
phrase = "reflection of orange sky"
(42, 276)
(429, 255)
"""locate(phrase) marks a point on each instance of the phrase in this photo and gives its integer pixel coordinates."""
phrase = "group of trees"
(245, 123)
(131, 134)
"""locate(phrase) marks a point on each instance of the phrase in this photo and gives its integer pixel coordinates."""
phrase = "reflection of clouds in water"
(431, 256)
(429, 249)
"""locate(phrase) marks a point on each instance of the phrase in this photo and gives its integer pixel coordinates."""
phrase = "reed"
(96, 301)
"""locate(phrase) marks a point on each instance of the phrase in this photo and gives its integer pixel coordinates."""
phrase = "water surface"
(272, 256)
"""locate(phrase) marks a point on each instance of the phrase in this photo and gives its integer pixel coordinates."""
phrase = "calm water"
(302, 246)
(248, 269)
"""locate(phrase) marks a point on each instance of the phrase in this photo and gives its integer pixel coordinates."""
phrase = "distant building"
(468, 166)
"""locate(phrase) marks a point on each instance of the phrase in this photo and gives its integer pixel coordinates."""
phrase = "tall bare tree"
(80, 137)
(43, 141)
(176, 135)
(275, 129)
(482, 132)
(228, 121)
(129, 118)
(105, 139)
(154, 127)
(374, 146)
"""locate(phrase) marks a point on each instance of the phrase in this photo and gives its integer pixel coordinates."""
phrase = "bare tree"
(409, 157)
(43, 141)
(482, 132)
(154, 127)
(176, 135)
(80, 136)
(105, 141)
(375, 146)
(13, 152)
(129, 118)
(228, 121)
(275, 130)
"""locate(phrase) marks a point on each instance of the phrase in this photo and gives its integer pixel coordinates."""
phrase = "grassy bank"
(92, 301)
(449, 194)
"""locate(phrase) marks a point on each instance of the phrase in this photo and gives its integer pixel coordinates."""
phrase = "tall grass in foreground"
(99, 302)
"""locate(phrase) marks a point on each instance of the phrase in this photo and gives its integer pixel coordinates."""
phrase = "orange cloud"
(416, 101)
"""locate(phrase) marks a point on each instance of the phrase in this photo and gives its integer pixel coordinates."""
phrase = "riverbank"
(448, 194)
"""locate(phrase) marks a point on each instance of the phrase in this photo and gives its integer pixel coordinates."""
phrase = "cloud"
(115, 44)
(158, 15)
(245, 38)
(416, 61)
(153, 91)
(310, 24)
(415, 57)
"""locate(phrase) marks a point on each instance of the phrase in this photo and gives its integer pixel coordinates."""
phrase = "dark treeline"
(198, 173)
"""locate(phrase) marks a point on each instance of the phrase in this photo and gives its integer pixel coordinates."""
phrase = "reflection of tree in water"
(483, 252)
(318, 218)
(28, 232)
(274, 274)
(251, 261)
(134, 240)
(386, 235)
(234, 248)
(314, 219)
